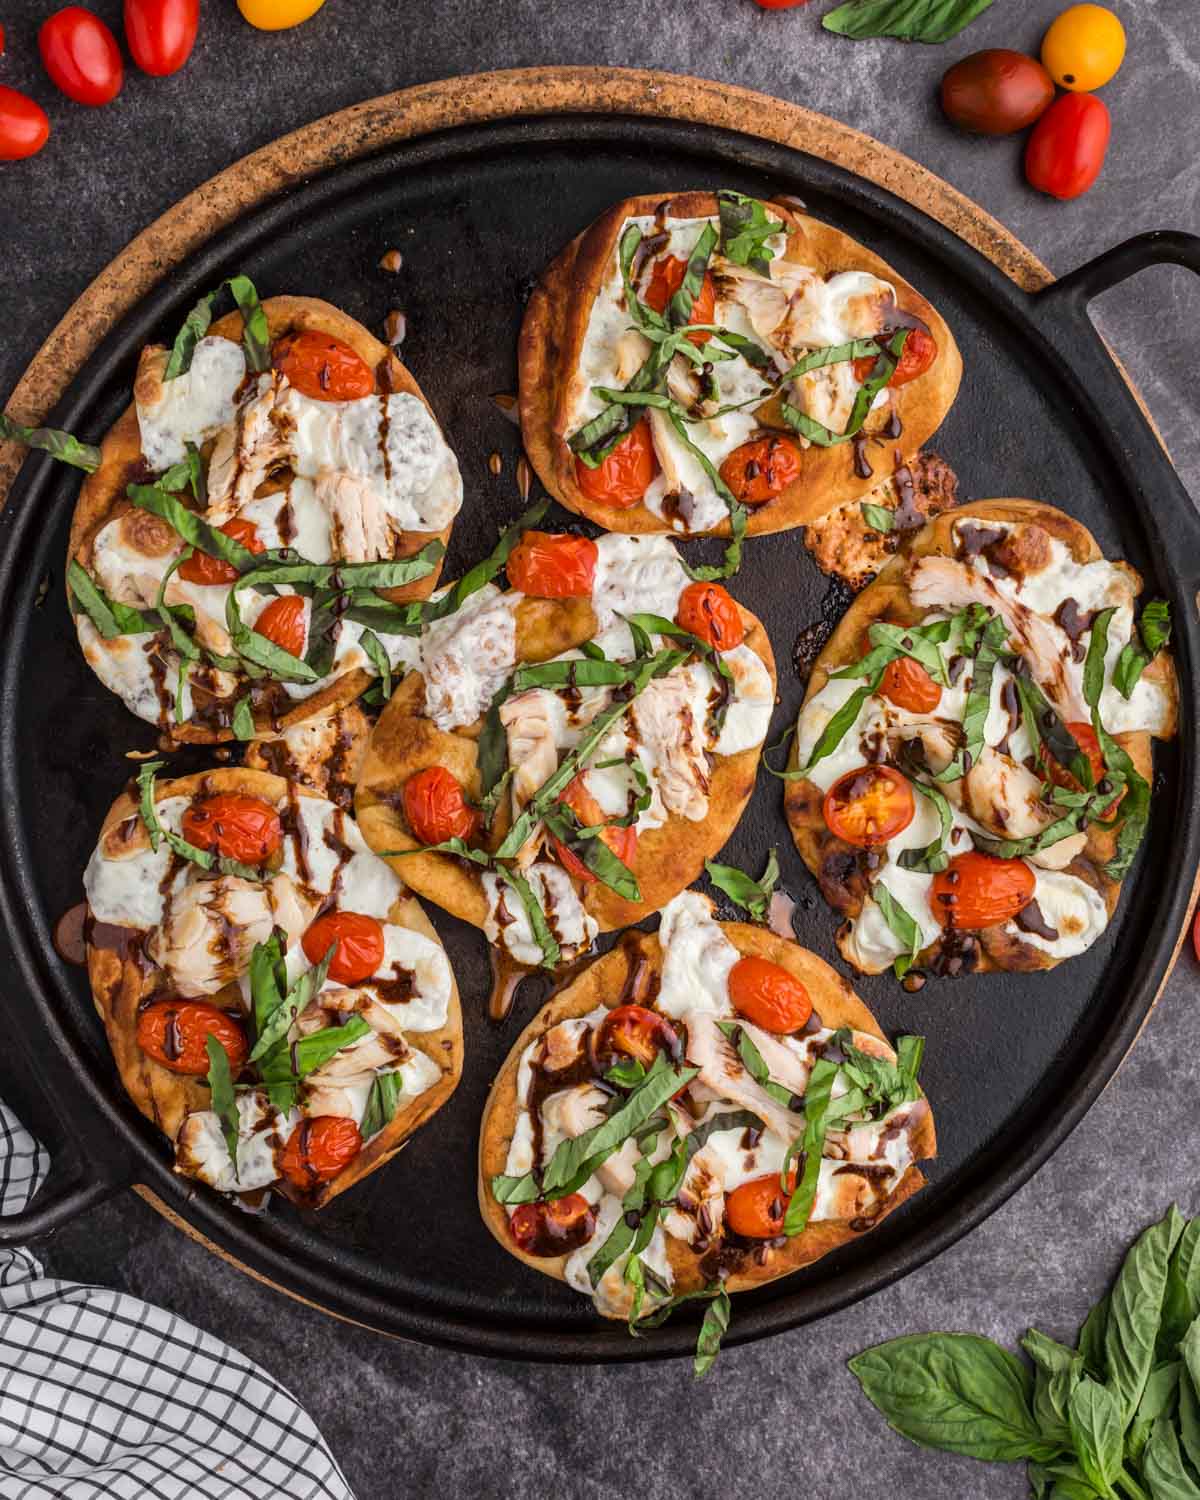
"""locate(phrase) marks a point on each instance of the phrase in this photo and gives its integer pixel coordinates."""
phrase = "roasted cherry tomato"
(359, 940)
(278, 15)
(919, 352)
(1066, 150)
(624, 476)
(708, 611)
(201, 568)
(175, 1033)
(24, 127)
(978, 890)
(325, 368)
(633, 1031)
(755, 1210)
(759, 470)
(768, 996)
(622, 841)
(908, 685)
(553, 565)
(1085, 737)
(285, 622)
(437, 809)
(237, 826)
(666, 279)
(869, 806)
(996, 91)
(81, 55)
(161, 33)
(554, 1228)
(1084, 47)
(319, 1149)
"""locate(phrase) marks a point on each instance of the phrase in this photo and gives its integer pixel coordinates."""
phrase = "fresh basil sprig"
(58, 444)
(753, 896)
(224, 1100)
(745, 229)
(256, 338)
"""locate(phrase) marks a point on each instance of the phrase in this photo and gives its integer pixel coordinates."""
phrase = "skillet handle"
(1175, 525)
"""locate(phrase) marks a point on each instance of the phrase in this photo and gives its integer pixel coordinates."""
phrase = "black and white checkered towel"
(103, 1397)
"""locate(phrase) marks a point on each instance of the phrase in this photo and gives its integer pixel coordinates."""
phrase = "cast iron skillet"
(1012, 1062)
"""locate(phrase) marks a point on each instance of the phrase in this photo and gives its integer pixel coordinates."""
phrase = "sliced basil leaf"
(753, 896)
(753, 1061)
(934, 857)
(842, 721)
(378, 658)
(751, 352)
(1093, 666)
(58, 444)
(1155, 625)
(888, 642)
(224, 1100)
(381, 1104)
(745, 229)
(878, 517)
(255, 334)
(816, 1105)
(712, 1331)
(1154, 631)
(911, 20)
(577, 672)
(881, 372)
(679, 309)
(1134, 810)
(315, 1050)
(738, 514)
(193, 528)
(592, 852)
(885, 1084)
(542, 936)
(831, 354)
(195, 326)
(448, 846)
(268, 978)
(901, 923)
(274, 1027)
(643, 315)
(110, 618)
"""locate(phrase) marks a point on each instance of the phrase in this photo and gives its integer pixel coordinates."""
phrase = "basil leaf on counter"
(1097, 1425)
(745, 229)
(1135, 1307)
(1092, 1336)
(224, 1100)
(110, 618)
(753, 896)
(540, 928)
(930, 21)
(1159, 1399)
(878, 517)
(1163, 1466)
(58, 444)
(382, 1103)
(1181, 1299)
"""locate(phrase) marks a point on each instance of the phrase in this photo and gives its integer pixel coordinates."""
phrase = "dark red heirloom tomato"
(81, 55)
(359, 940)
(919, 352)
(24, 127)
(869, 806)
(236, 826)
(768, 996)
(175, 1033)
(708, 611)
(325, 368)
(319, 1149)
(624, 476)
(553, 565)
(761, 469)
(554, 1228)
(978, 890)
(996, 91)
(908, 685)
(1066, 150)
(622, 841)
(202, 568)
(161, 33)
(665, 280)
(633, 1031)
(756, 1209)
(436, 807)
(285, 622)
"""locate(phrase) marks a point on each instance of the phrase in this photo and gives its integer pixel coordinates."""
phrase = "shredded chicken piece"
(359, 527)
(1004, 797)
(209, 933)
(721, 1069)
(668, 726)
(245, 453)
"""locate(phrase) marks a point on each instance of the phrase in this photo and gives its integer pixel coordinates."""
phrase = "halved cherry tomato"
(175, 1032)
(81, 55)
(869, 806)
(325, 368)
(319, 1149)
(908, 685)
(708, 611)
(278, 15)
(761, 469)
(359, 940)
(553, 565)
(755, 1210)
(919, 352)
(978, 890)
(237, 826)
(768, 996)
(624, 476)
(666, 279)
(437, 809)
(24, 126)
(554, 1228)
(1066, 149)
(622, 841)
(633, 1031)
(161, 33)
(201, 568)
(285, 622)
(1085, 737)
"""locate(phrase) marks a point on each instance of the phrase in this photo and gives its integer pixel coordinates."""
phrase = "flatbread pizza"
(276, 1001)
(569, 751)
(709, 364)
(972, 770)
(700, 1111)
(276, 473)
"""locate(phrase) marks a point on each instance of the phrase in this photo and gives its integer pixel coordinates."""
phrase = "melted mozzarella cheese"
(635, 575)
(697, 958)
(424, 962)
(195, 405)
(292, 518)
(508, 921)
(466, 657)
(749, 711)
(201, 1151)
(328, 855)
(1073, 908)
(128, 891)
(123, 666)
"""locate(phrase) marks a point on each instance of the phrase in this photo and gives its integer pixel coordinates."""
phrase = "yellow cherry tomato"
(278, 15)
(1084, 48)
